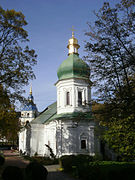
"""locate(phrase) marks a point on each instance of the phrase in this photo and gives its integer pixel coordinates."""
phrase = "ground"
(13, 159)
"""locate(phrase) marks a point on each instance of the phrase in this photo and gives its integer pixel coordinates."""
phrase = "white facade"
(64, 138)
(73, 86)
(24, 140)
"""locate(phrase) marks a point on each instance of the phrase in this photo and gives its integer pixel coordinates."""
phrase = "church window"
(79, 98)
(68, 98)
(83, 144)
(28, 114)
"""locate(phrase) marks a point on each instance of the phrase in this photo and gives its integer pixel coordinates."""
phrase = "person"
(35, 171)
(12, 172)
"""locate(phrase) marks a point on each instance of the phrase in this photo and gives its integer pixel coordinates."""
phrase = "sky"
(49, 29)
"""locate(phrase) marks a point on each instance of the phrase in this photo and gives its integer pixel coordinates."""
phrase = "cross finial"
(73, 31)
(31, 89)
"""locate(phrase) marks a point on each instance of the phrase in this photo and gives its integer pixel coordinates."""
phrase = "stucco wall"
(63, 137)
(69, 135)
(73, 86)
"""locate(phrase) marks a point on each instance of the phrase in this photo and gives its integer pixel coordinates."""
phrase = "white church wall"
(43, 135)
(50, 137)
(70, 134)
(22, 140)
(73, 86)
(37, 139)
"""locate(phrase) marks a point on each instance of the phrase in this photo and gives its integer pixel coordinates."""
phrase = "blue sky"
(49, 28)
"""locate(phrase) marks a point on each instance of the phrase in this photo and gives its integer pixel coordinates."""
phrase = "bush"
(117, 170)
(86, 168)
(42, 160)
(66, 162)
(74, 160)
(77, 165)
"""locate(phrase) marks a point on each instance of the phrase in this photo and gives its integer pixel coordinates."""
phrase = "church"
(66, 126)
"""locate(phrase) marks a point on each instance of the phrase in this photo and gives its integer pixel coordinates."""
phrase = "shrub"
(66, 162)
(77, 165)
(86, 168)
(42, 160)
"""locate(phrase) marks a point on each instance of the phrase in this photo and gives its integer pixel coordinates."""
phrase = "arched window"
(68, 98)
(28, 114)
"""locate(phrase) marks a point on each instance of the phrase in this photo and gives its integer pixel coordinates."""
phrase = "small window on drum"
(83, 144)
(28, 114)
(79, 98)
(67, 98)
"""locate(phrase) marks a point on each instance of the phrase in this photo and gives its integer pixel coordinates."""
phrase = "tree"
(9, 119)
(111, 56)
(16, 63)
(121, 137)
(16, 59)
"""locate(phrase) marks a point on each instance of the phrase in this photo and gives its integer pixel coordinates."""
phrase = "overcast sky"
(49, 28)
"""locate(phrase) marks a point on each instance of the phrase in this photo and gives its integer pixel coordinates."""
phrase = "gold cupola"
(73, 45)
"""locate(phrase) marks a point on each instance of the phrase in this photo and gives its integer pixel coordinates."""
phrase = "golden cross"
(73, 31)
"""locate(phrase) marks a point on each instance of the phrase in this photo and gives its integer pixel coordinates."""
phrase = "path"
(13, 159)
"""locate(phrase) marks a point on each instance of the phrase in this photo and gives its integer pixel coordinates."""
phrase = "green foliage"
(16, 59)
(42, 160)
(121, 137)
(9, 120)
(16, 63)
(100, 170)
(76, 164)
(112, 61)
(111, 52)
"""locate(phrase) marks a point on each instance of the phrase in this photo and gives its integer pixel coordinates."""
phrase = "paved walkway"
(13, 159)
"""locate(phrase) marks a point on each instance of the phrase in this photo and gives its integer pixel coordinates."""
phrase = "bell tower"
(29, 110)
(73, 86)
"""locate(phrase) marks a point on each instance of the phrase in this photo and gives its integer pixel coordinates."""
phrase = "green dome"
(73, 67)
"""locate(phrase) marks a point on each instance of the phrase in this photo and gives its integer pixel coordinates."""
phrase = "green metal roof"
(50, 114)
(75, 115)
(73, 67)
(46, 114)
